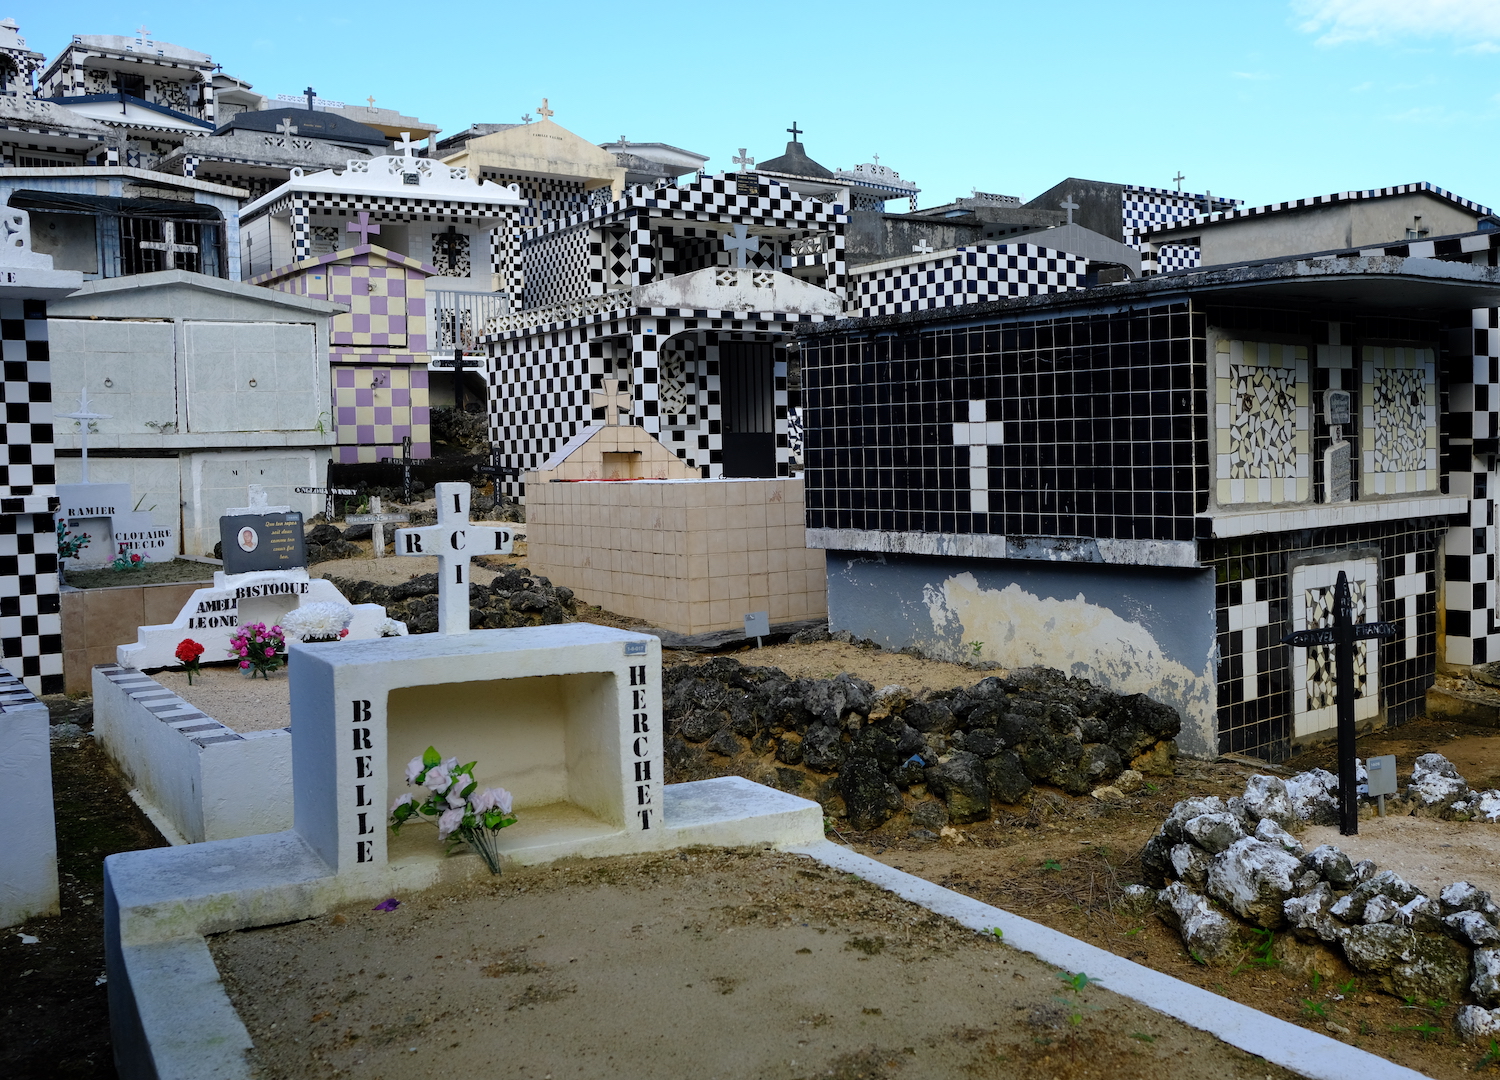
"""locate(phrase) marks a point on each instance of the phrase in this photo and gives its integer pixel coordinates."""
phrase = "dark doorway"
(747, 403)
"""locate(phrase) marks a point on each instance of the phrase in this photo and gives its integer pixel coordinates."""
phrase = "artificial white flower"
(491, 799)
(449, 821)
(319, 619)
(390, 628)
(414, 769)
(401, 802)
(438, 778)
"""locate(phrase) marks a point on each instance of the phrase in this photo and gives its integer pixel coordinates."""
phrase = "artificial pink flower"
(450, 820)
(244, 663)
(270, 652)
(414, 769)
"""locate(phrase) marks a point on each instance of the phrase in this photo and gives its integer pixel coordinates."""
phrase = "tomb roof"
(540, 149)
(309, 123)
(385, 176)
(1316, 202)
(795, 162)
(159, 295)
(141, 46)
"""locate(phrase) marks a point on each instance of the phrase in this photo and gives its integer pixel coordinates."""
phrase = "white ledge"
(1326, 515)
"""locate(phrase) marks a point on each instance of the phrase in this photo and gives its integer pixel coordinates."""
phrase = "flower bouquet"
(322, 620)
(465, 815)
(188, 651)
(259, 649)
(70, 545)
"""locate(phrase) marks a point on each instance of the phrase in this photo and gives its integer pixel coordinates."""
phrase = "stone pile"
(513, 598)
(944, 756)
(1215, 858)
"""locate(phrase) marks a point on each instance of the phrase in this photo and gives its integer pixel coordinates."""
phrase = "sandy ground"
(238, 703)
(711, 964)
(1425, 851)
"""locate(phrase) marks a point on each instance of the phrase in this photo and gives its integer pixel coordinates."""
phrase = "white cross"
(377, 519)
(744, 161)
(610, 400)
(258, 499)
(922, 247)
(544, 112)
(371, 100)
(454, 540)
(286, 127)
(1179, 178)
(169, 242)
(84, 418)
(404, 144)
(741, 244)
(979, 434)
(876, 157)
(1069, 205)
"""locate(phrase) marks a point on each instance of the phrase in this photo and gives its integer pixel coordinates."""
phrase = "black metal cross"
(330, 492)
(795, 131)
(458, 362)
(311, 96)
(406, 469)
(1342, 635)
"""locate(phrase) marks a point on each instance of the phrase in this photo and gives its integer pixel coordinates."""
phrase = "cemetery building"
(1323, 223)
(405, 246)
(116, 221)
(672, 305)
(257, 150)
(150, 94)
(204, 387)
(647, 163)
(1148, 484)
(30, 610)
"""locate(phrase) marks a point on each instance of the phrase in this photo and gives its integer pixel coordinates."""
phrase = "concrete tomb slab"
(28, 857)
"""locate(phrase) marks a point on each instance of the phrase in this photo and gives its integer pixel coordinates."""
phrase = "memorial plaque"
(1336, 408)
(262, 542)
(1338, 483)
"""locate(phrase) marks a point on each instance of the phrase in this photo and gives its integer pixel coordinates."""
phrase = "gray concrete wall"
(1135, 630)
(1363, 223)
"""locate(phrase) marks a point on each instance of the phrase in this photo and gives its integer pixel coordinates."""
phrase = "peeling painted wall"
(1136, 630)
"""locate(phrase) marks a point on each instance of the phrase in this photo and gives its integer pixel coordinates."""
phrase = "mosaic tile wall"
(1257, 705)
(1142, 207)
(969, 275)
(1261, 422)
(1099, 426)
(1399, 415)
(30, 608)
(555, 271)
(1472, 635)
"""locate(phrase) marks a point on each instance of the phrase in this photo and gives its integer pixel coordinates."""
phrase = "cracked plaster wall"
(1136, 630)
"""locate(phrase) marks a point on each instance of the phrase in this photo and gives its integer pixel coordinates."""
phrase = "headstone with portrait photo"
(261, 537)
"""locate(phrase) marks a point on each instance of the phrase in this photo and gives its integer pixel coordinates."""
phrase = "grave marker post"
(1341, 636)
(377, 519)
(330, 492)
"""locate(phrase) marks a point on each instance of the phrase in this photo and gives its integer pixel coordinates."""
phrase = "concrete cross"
(454, 540)
(525, 118)
(363, 227)
(1069, 205)
(286, 127)
(145, 34)
(405, 144)
(611, 400)
(168, 243)
(311, 97)
(544, 112)
(1179, 178)
(978, 434)
(922, 247)
(84, 418)
(741, 244)
(258, 499)
(744, 161)
(371, 100)
(876, 157)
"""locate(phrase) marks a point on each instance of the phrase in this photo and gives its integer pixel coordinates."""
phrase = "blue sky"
(1258, 99)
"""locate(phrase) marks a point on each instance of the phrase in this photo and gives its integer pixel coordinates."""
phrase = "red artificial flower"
(344, 632)
(188, 650)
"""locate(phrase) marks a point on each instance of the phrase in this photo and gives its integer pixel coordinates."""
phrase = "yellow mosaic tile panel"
(1262, 423)
(1398, 407)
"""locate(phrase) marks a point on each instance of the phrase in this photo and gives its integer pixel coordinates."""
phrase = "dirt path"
(704, 963)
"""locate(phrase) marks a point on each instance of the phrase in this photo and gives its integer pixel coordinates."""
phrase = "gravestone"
(1338, 469)
(261, 537)
(28, 857)
(377, 519)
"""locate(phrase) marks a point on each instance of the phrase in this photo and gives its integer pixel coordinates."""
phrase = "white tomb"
(28, 857)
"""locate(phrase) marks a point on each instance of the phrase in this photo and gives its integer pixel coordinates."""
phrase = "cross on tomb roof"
(795, 131)
(526, 118)
(876, 157)
(611, 400)
(741, 244)
(168, 243)
(1069, 205)
(371, 100)
(544, 112)
(454, 540)
(922, 247)
(311, 97)
(363, 226)
(286, 127)
(405, 144)
(1179, 178)
(145, 34)
(744, 161)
